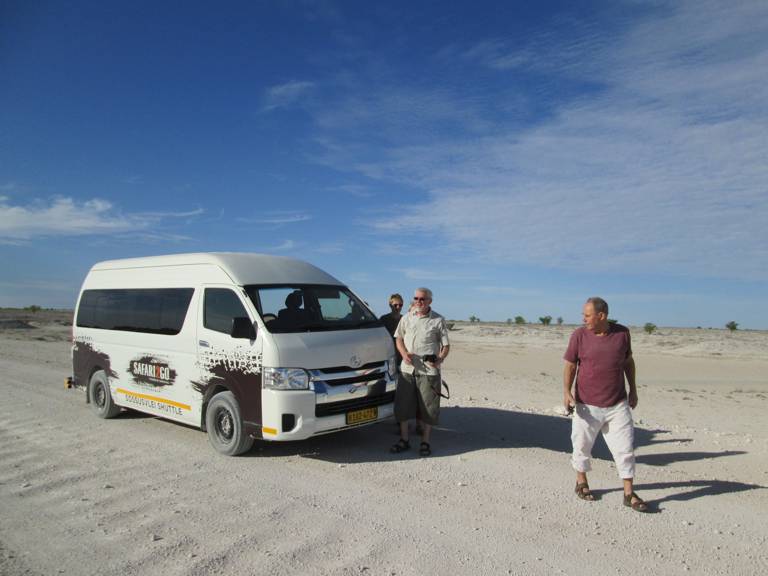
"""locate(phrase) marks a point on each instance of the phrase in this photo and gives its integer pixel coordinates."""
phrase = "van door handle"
(204, 344)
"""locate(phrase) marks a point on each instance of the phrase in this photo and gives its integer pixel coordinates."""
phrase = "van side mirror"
(242, 327)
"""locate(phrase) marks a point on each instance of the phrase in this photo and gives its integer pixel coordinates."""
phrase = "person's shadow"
(685, 490)
(469, 429)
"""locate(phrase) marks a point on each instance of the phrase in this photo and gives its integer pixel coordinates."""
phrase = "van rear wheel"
(225, 427)
(100, 397)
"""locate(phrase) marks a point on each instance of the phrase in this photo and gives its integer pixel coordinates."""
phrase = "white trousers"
(615, 422)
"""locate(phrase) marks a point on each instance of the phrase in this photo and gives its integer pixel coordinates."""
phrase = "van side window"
(220, 307)
(154, 311)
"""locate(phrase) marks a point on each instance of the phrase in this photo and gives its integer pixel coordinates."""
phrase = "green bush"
(732, 326)
(649, 327)
(545, 320)
(559, 320)
(519, 320)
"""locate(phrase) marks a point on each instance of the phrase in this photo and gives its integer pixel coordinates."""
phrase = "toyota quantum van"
(243, 346)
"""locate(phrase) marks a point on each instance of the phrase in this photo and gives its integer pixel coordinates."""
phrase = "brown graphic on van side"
(152, 371)
(85, 359)
(240, 372)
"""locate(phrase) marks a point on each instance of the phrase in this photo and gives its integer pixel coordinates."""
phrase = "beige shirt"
(422, 335)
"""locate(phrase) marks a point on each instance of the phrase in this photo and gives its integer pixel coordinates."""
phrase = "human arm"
(441, 356)
(445, 344)
(569, 375)
(629, 372)
(400, 343)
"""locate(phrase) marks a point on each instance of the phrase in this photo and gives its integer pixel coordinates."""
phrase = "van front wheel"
(100, 397)
(225, 427)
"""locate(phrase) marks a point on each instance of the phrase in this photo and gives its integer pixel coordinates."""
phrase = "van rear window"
(154, 311)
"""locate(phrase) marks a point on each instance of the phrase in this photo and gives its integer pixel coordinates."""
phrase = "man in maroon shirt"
(598, 357)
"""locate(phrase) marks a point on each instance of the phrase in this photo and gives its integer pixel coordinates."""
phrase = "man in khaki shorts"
(422, 340)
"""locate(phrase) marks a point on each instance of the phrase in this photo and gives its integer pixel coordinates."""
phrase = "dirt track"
(138, 495)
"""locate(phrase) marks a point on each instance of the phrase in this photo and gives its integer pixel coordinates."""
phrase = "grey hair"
(426, 291)
(599, 304)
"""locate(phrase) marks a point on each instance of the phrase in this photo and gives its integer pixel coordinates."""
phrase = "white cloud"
(63, 216)
(329, 248)
(277, 218)
(360, 278)
(356, 190)
(660, 170)
(285, 95)
(52, 285)
(285, 246)
(159, 215)
(426, 275)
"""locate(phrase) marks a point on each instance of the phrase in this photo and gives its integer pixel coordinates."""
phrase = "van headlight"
(285, 379)
(392, 367)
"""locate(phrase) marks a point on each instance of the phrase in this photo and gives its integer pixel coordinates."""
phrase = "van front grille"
(343, 375)
(354, 404)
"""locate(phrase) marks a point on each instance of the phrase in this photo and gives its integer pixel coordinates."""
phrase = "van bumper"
(301, 414)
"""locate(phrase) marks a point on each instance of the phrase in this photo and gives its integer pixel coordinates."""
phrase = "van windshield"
(310, 308)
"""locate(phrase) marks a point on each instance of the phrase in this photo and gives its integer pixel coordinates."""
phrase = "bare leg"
(627, 486)
(631, 499)
(426, 430)
(404, 430)
(582, 489)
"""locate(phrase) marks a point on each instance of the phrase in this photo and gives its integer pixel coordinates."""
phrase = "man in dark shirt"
(392, 319)
(601, 353)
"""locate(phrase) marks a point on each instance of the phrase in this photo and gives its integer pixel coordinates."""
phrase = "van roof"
(243, 267)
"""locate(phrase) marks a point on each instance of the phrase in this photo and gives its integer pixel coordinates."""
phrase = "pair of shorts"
(418, 395)
(615, 422)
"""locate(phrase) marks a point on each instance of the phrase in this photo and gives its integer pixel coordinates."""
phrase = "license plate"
(364, 415)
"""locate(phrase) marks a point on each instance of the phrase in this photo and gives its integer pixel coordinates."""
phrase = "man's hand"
(568, 402)
(408, 358)
(632, 399)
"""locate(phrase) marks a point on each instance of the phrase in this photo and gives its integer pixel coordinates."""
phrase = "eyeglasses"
(419, 299)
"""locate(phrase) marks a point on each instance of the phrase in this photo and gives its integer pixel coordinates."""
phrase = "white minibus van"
(243, 346)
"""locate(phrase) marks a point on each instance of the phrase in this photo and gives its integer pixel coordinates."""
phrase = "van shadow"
(464, 430)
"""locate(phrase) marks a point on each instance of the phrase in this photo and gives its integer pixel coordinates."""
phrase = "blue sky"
(516, 157)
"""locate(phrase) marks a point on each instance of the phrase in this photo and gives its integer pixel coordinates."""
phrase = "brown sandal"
(635, 502)
(400, 446)
(582, 491)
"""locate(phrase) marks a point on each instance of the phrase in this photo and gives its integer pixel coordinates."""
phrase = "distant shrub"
(519, 320)
(612, 321)
(545, 320)
(649, 327)
(559, 320)
(33, 308)
(732, 326)
(474, 318)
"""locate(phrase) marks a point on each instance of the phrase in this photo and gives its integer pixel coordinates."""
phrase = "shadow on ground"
(467, 429)
(684, 491)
